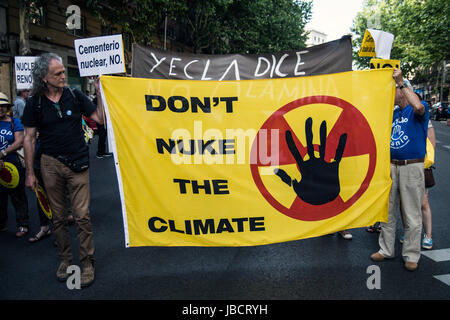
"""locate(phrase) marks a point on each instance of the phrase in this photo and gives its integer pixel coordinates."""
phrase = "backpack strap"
(75, 96)
(37, 104)
(37, 108)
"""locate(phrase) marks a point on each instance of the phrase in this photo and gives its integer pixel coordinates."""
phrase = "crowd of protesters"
(48, 124)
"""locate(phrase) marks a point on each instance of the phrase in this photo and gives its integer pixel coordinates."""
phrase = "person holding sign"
(408, 148)
(55, 111)
(12, 172)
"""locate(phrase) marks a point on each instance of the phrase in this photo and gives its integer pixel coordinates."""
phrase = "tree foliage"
(421, 30)
(266, 25)
(214, 26)
(140, 18)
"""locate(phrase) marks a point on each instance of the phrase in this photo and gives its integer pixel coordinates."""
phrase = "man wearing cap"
(408, 148)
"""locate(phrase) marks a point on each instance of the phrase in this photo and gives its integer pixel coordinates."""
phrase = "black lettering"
(196, 187)
(199, 227)
(206, 106)
(173, 228)
(229, 103)
(180, 144)
(179, 104)
(24, 79)
(202, 145)
(187, 226)
(184, 104)
(224, 225)
(182, 183)
(149, 102)
(226, 146)
(161, 144)
(207, 226)
(152, 226)
(256, 224)
(220, 187)
(240, 223)
(195, 146)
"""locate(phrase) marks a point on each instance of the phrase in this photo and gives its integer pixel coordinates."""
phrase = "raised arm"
(408, 93)
(99, 114)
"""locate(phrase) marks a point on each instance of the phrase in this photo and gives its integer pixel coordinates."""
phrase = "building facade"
(49, 31)
(315, 37)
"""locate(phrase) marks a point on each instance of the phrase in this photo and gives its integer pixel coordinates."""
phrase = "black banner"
(329, 57)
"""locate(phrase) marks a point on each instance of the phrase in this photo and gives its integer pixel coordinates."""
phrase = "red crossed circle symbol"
(360, 141)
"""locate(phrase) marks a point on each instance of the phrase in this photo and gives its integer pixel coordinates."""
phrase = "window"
(37, 15)
(3, 20)
(3, 29)
(80, 32)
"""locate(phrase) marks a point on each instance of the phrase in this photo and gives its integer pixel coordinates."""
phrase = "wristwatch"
(4, 154)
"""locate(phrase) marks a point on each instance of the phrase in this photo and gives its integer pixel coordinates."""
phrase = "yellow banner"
(240, 163)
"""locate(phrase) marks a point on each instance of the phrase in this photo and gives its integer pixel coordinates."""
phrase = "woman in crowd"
(11, 140)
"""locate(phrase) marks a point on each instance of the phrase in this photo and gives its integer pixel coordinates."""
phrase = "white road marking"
(438, 255)
(445, 278)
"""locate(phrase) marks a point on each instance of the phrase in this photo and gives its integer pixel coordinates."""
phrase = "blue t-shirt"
(7, 136)
(409, 134)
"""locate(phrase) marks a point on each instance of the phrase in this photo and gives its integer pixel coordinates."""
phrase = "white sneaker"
(346, 235)
(427, 243)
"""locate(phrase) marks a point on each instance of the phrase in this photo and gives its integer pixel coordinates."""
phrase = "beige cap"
(4, 99)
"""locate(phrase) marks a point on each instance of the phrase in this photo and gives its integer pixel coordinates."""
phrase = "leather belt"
(405, 162)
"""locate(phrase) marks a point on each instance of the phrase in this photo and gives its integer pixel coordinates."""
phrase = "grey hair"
(40, 70)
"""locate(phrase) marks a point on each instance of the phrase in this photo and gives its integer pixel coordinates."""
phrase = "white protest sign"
(24, 66)
(383, 43)
(100, 55)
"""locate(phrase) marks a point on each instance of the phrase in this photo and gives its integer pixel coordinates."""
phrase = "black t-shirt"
(60, 131)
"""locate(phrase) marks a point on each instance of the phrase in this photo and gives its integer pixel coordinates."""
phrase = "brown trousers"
(56, 176)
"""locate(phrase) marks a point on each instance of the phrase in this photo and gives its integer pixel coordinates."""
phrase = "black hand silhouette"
(320, 179)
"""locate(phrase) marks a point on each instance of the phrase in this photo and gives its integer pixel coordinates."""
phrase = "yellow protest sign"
(384, 63)
(239, 163)
(9, 175)
(368, 46)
